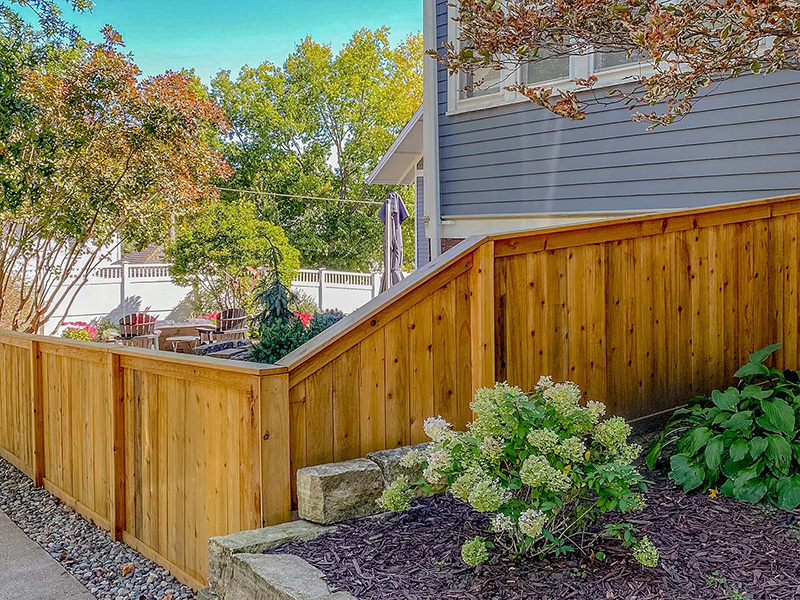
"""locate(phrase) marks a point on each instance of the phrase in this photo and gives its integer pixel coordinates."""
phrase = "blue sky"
(210, 35)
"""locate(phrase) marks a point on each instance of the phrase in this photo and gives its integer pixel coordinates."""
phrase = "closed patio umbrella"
(393, 239)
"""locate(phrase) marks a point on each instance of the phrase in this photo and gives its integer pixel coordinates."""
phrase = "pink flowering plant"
(544, 465)
(79, 330)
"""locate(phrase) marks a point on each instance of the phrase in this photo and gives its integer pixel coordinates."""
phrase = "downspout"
(430, 127)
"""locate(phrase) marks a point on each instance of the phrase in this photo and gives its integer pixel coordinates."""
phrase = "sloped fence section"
(165, 451)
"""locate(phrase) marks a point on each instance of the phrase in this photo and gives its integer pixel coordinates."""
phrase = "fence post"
(37, 415)
(482, 316)
(321, 294)
(116, 398)
(376, 284)
(272, 395)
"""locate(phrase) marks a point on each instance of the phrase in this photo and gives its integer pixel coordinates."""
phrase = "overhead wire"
(260, 193)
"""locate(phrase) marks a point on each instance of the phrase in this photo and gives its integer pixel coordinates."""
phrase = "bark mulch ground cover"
(711, 549)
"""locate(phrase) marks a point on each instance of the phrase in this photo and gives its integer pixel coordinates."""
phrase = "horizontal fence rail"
(165, 450)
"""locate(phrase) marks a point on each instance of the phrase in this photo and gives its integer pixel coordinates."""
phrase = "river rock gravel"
(109, 570)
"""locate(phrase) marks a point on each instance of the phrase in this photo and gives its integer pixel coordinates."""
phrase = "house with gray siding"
(490, 161)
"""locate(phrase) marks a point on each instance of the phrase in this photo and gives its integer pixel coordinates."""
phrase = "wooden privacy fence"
(161, 450)
(641, 312)
(165, 450)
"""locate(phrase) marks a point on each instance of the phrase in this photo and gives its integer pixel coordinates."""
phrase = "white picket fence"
(113, 291)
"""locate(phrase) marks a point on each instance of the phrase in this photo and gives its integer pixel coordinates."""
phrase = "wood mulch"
(711, 549)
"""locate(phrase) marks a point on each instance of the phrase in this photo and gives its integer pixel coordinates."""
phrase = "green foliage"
(316, 126)
(77, 334)
(225, 250)
(279, 336)
(89, 155)
(744, 440)
(545, 465)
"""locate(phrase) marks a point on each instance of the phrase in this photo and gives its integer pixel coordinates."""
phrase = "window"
(545, 70)
(604, 61)
(486, 87)
(481, 82)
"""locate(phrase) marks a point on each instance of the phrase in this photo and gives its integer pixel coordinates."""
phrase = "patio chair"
(138, 330)
(231, 325)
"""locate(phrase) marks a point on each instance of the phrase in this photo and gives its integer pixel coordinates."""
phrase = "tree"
(90, 157)
(687, 44)
(316, 127)
(225, 249)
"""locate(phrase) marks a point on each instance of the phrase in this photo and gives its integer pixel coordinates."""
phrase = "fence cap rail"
(220, 364)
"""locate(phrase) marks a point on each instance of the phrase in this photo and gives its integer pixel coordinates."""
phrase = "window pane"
(550, 69)
(482, 82)
(611, 60)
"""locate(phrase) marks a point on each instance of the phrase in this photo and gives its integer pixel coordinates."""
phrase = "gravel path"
(109, 570)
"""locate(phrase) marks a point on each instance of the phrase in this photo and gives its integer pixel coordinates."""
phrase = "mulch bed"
(710, 549)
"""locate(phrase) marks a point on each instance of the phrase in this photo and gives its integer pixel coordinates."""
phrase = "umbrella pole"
(387, 245)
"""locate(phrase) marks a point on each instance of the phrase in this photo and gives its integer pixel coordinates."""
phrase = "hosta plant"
(544, 465)
(743, 441)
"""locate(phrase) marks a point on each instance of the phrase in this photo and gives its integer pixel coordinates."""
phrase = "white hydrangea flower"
(502, 523)
(436, 428)
(412, 459)
(492, 447)
(531, 522)
(545, 383)
(564, 398)
(439, 459)
(596, 410)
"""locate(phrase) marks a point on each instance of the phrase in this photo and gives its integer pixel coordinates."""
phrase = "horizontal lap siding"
(741, 142)
(644, 323)
(377, 393)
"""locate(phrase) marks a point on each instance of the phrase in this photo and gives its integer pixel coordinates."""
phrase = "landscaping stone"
(207, 594)
(389, 462)
(221, 549)
(339, 491)
(278, 577)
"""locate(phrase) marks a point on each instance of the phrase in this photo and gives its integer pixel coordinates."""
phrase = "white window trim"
(581, 66)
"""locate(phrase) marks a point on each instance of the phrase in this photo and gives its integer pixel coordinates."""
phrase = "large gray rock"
(339, 491)
(389, 462)
(278, 577)
(221, 549)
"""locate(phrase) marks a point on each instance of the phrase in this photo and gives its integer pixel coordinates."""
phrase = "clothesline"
(260, 193)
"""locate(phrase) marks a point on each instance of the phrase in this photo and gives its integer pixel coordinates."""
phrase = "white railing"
(127, 288)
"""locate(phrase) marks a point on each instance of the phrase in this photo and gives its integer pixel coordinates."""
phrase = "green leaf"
(685, 473)
(779, 452)
(741, 420)
(757, 446)
(788, 492)
(751, 369)
(714, 451)
(759, 356)
(654, 454)
(755, 391)
(739, 449)
(749, 490)
(780, 415)
(696, 438)
(727, 400)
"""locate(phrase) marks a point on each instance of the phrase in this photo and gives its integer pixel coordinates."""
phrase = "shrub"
(76, 334)
(546, 466)
(278, 338)
(79, 330)
(743, 440)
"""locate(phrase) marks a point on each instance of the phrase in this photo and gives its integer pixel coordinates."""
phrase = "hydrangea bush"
(544, 465)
